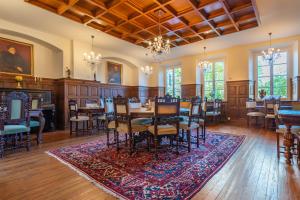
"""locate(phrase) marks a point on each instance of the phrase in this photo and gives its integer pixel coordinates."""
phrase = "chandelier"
(91, 57)
(271, 54)
(204, 64)
(147, 70)
(159, 45)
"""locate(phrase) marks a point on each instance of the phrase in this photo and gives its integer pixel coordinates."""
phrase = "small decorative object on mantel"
(19, 80)
(95, 78)
(38, 80)
(262, 94)
(68, 71)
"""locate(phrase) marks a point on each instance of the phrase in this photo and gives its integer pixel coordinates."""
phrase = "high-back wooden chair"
(193, 120)
(14, 121)
(252, 112)
(76, 118)
(269, 104)
(125, 124)
(166, 120)
(109, 117)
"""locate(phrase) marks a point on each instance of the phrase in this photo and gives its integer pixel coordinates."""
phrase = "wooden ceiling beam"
(64, 8)
(256, 11)
(194, 5)
(226, 8)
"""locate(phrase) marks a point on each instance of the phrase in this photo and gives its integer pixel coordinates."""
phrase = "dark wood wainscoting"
(190, 90)
(237, 94)
(64, 89)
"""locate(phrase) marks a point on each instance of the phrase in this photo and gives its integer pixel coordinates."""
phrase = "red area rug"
(140, 176)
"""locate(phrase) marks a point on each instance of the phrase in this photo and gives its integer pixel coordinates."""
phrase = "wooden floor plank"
(253, 172)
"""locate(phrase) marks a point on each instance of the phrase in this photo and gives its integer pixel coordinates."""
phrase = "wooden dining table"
(145, 112)
(289, 118)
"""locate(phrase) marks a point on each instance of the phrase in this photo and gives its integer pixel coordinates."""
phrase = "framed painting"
(114, 73)
(16, 57)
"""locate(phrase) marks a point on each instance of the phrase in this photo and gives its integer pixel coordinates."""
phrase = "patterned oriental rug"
(140, 176)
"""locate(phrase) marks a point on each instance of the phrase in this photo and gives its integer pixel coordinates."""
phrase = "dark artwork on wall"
(16, 57)
(114, 73)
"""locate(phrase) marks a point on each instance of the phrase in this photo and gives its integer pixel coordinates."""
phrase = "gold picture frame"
(114, 73)
(16, 57)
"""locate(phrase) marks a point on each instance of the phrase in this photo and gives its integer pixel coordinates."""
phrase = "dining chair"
(166, 121)
(281, 130)
(126, 125)
(214, 110)
(110, 123)
(193, 121)
(14, 122)
(269, 104)
(76, 118)
(252, 112)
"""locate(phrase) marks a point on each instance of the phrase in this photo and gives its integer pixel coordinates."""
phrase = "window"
(273, 79)
(214, 80)
(173, 81)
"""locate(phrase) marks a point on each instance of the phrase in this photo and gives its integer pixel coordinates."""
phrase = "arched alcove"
(47, 58)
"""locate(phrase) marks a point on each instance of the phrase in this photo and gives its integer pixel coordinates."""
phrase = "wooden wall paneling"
(237, 94)
(190, 90)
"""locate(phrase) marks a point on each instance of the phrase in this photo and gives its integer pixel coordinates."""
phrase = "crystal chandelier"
(159, 45)
(91, 57)
(204, 64)
(147, 70)
(271, 54)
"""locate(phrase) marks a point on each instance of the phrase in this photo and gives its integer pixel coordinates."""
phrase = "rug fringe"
(90, 179)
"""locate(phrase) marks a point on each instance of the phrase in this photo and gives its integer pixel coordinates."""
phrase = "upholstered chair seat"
(270, 116)
(13, 129)
(111, 125)
(33, 124)
(255, 114)
(163, 130)
(212, 113)
(79, 118)
(137, 125)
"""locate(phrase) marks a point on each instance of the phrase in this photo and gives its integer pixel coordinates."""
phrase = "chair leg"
(1, 146)
(71, 124)
(28, 141)
(189, 140)
(107, 137)
(155, 146)
(248, 121)
(117, 140)
(278, 145)
(177, 144)
(76, 129)
(198, 136)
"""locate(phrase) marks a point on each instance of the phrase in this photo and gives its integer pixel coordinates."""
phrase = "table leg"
(288, 143)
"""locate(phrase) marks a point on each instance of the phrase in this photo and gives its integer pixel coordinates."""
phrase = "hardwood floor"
(253, 172)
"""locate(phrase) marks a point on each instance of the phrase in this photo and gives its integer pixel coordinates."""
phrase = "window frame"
(289, 73)
(214, 61)
(173, 67)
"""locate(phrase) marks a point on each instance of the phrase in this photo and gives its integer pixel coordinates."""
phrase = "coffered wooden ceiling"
(136, 21)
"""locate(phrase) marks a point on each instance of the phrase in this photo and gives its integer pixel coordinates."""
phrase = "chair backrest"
(269, 104)
(166, 106)
(73, 108)
(121, 109)
(250, 104)
(36, 103)
(109, 105)
(91, 103)
(196, 107)
(134, 100)
(18, 105)
(185, 103)
(217, 105)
